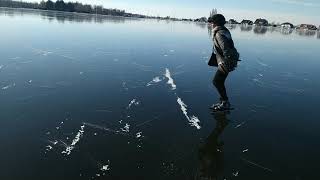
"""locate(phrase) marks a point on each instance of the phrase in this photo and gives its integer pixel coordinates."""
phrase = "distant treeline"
(60, 5)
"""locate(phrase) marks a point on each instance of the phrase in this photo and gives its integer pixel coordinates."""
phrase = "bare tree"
(213, 12)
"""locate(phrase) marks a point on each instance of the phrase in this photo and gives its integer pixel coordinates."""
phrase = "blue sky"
(295, 11)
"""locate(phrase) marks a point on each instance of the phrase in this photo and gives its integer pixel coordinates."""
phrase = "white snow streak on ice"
(41, 52)
(74, 141)
(133, 102)
(53, 142)
(126, 128)
(262, 64)
(9, 86)
(139, 135)
(105, 168)
(107, 129)
(193, 120)
(48, 148)
(170, 80)
(246, 150)
(154, 81)
(236, 174)
(15, 58)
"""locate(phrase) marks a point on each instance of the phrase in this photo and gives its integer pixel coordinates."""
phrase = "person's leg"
(218, 81)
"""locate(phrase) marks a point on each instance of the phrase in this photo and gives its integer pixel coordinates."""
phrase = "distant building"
(186, 19)
(307, 27)
(246, 22)
(232, 21)
(261, 22)
(286, 31)
(202, 19)
(287, 25)
(303, 32)
(260, 29)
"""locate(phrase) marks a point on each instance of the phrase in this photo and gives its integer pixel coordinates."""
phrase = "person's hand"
(222, 67)
(231, 63)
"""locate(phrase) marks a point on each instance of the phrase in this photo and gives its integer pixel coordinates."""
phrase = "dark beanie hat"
(218, 19)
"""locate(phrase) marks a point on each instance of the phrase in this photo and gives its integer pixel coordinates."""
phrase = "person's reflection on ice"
(211, 151)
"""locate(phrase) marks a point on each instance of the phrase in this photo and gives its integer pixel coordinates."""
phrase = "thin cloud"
(298, 2)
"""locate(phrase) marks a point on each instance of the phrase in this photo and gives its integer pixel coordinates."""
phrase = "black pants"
(218, 82)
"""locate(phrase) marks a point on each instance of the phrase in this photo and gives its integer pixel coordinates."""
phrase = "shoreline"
(67, 12)
(103, 15)
(81, 14)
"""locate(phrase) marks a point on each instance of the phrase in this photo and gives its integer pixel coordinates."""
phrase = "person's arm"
(225, 46)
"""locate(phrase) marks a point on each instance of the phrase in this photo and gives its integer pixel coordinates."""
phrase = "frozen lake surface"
(92, 97)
